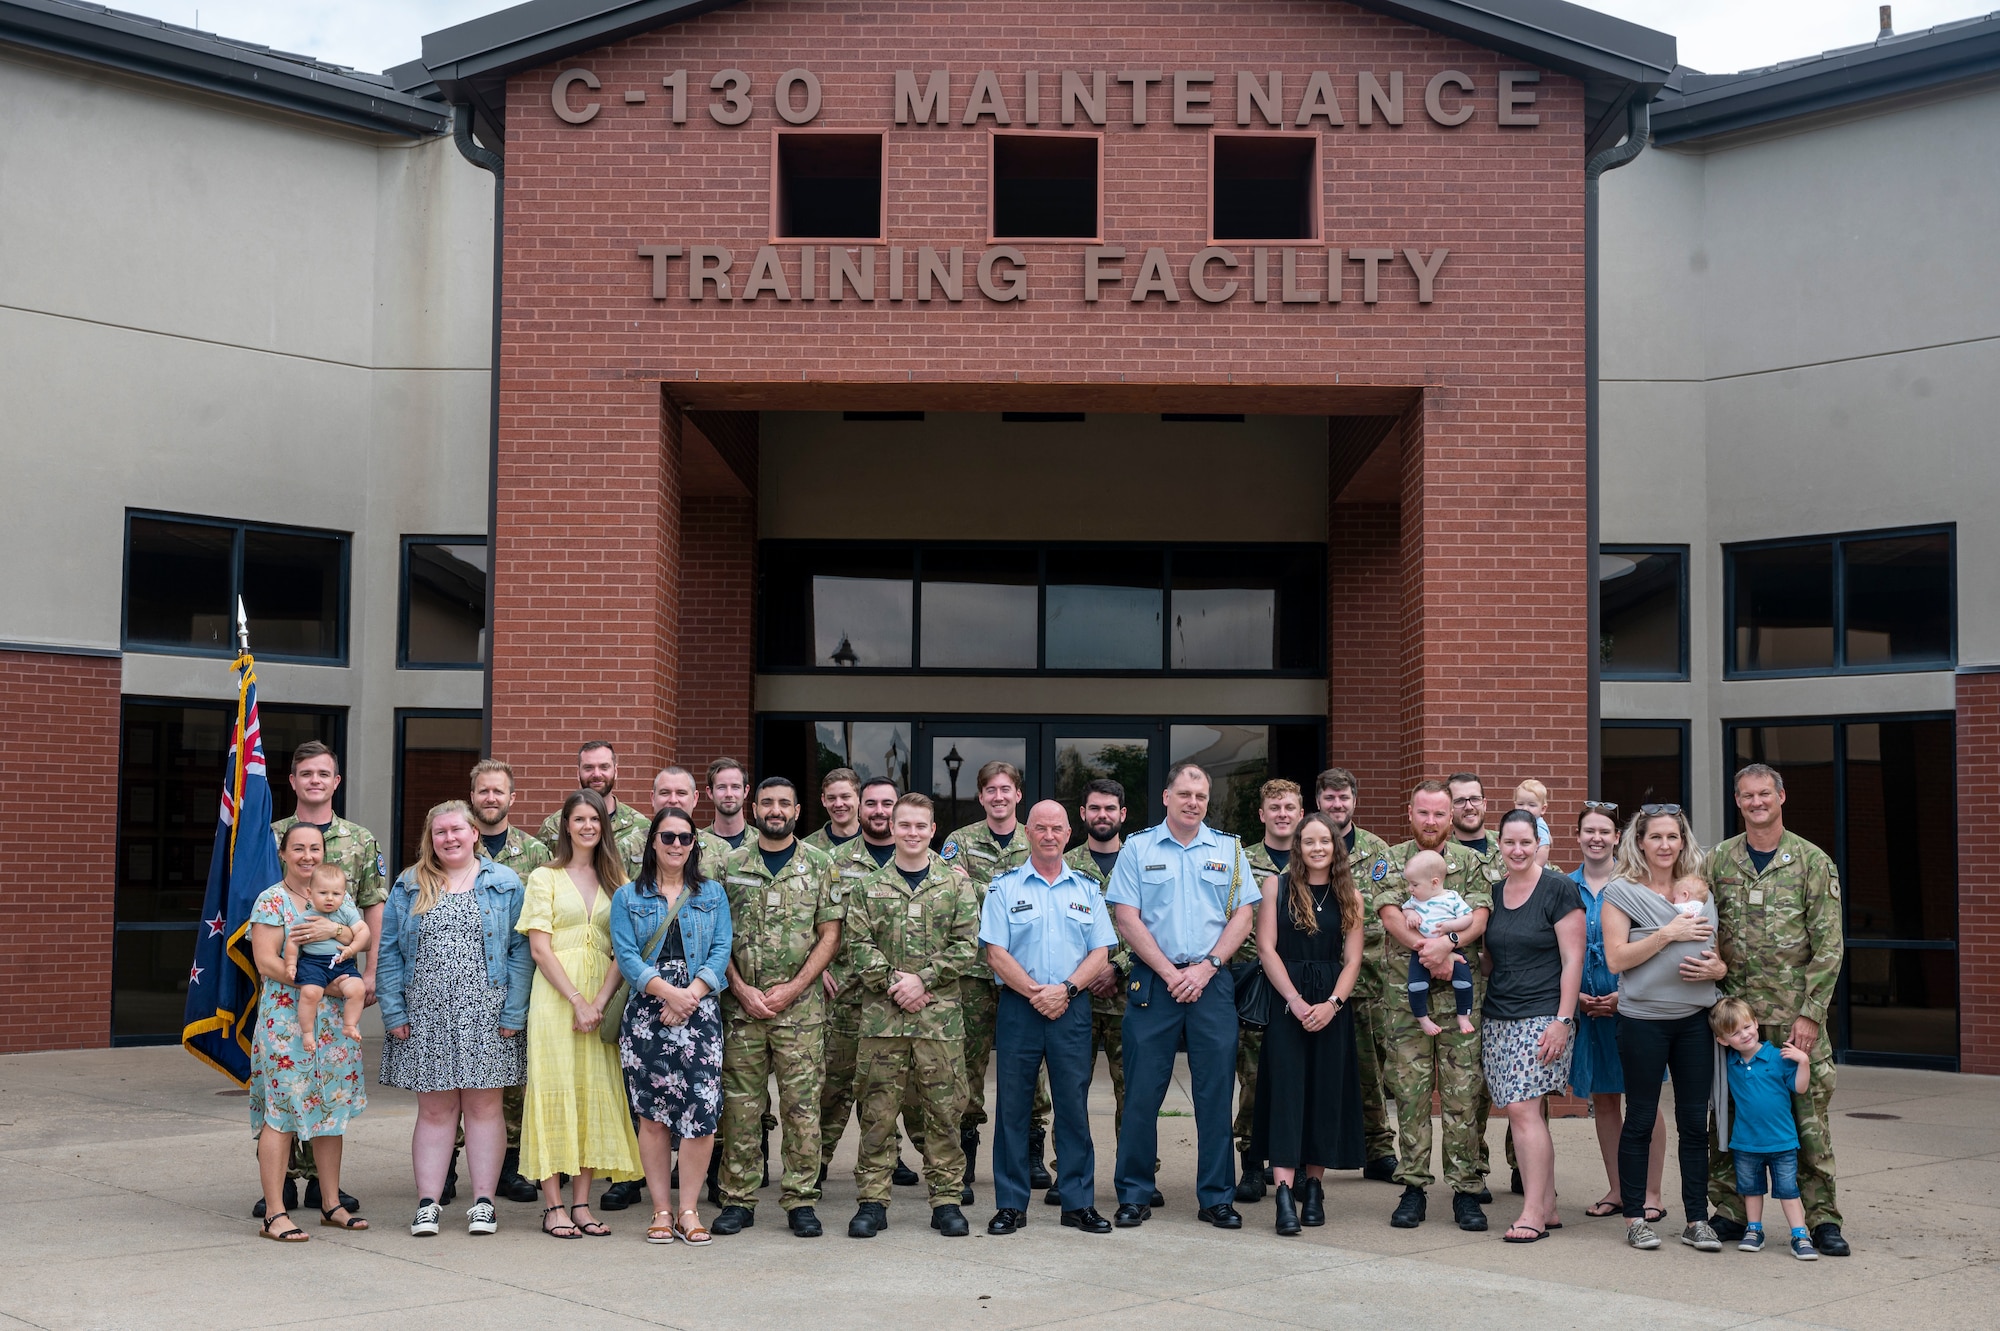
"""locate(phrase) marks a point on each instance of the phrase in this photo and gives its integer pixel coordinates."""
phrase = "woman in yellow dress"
(574, 1120)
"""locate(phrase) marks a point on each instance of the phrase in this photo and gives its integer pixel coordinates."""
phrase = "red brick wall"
(718, 570)
(58, 732)
(1978, 876)
(1365, 607)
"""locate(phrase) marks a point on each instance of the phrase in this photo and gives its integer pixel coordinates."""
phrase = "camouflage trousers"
(1378, 1136)
(1107, 1036)
(1249, 1043)
(890, 1072)
(1418, 1064)
(979, 1000)
(754, 1052)
(837, 1095)
(1813, 1113)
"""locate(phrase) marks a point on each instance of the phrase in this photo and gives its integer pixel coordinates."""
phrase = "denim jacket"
(507, 961)
(706, 935)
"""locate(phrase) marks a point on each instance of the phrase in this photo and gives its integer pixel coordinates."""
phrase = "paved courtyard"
(126, 1178)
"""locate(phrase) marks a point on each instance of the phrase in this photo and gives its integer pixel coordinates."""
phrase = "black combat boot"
(1288, 1213)
(1410, 1210)
(1250, 1185)
(1038, 1173)
(968, 1141)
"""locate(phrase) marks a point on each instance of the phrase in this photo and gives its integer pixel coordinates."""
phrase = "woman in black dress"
(1308, 1112)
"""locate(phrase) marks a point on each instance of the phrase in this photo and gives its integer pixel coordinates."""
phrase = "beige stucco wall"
(210, 308)
(1799, 338)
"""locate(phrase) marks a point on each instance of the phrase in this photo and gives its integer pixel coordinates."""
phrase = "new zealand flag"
(223, 984)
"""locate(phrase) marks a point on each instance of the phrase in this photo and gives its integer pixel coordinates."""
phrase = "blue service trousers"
(1022, 1039)
(1155, 1028)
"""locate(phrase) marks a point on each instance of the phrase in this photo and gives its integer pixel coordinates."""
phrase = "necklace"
(458, 883)
(1319, 898)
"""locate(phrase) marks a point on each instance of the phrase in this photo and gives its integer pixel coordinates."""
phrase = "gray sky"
(1715, 35)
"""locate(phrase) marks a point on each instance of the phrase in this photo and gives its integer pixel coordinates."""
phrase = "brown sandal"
(695, 1233)
(353, 1221)
(659, 1233)
(292, 1235)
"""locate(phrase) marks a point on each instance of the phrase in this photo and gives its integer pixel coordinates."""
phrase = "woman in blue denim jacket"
(670, 1041)
(453, 981)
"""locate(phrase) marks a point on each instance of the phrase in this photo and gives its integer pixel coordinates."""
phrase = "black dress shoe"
(1830, 1242)
(1410, 1210)
(1726, 1229)
(1038, 1173)
(347, 1199)
(804, 1222)
(870, 1219)
(1005, 1221)
(1288, 1211)
(1312, 1204)
(619, 1196)
(1131, 1215)
(1222, 1216)
(1466, 1213)
(1157, 1199)
(1382, 1169)
(1250, 1183)
(732, 1220)
(291, 1200)
(1053, 1197)
(1087, 1220)
(949, 1221)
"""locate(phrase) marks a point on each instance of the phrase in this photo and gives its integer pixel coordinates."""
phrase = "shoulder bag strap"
(673, 913)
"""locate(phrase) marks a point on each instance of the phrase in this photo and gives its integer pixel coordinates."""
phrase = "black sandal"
(1655, 1214)
(594, 1227)
(291, 1235)
(557, 1232)
(353, 1221)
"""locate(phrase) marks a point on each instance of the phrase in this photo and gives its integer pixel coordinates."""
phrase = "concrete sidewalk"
(127, 1178)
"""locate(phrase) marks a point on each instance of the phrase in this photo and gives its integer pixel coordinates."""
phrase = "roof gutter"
(1638, 118)
(487, 160)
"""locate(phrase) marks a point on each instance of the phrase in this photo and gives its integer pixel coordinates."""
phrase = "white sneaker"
(426, 1224)
(479, 1218)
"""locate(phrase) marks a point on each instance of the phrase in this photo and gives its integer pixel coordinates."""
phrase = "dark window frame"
(1166, 549)
(994, 236)
(1315, 184)
(779, 236)
(393, 849)
(237, 529)
(1732, 826)
(403, 661)
(1686, 729)
(1733, 669)
(1686, 555)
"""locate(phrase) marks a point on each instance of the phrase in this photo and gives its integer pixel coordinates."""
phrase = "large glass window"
(184, 575)
(435, 751)
(171, 767)
(1878, 794)
(444, 603)
(1239, 758)
(1643, 763)
(1880, 601)
(1642, 613)
(806, 751)
(1068, 608)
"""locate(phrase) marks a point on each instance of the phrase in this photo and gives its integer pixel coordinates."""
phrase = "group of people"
(608, 996)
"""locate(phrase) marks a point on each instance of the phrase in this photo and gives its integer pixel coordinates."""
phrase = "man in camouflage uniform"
(982, 851)
(1335, 793)
(915, 926)
(728, 788)
(853, 861)
(505, 844)
(1418, 1063)
(1280, 805)
(787, 928)
(315, 777)
(840, 796)
(1778, 912)
(597, 769)
(673, 788)
(1468, 829)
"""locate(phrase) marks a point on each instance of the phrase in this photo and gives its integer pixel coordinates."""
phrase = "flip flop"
(1537, 1235)
(1599, 1210)
(1655, 1214)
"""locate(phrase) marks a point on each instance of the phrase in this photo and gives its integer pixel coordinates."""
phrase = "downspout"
(1638, 122)
(488, 160)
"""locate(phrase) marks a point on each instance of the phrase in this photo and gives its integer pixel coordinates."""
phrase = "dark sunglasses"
(1600, 806)
(1659, 810)
(676, 838)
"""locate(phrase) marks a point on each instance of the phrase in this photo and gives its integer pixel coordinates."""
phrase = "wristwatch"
(1568, 1021)
(1071, 989)
(1453, 938)
(1213, 960)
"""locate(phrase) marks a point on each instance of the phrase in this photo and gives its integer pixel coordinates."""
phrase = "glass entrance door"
(950, 754)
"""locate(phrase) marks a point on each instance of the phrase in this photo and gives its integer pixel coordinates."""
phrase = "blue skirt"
(1594, 1067)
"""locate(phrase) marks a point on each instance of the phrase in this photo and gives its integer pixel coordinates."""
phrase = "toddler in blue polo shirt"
(1763, 1135)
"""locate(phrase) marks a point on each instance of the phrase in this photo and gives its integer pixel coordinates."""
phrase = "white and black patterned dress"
(455, 1042)
(673, 1074)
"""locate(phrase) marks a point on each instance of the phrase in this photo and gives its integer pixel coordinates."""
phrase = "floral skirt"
(673, 1074)
(1508, 1055)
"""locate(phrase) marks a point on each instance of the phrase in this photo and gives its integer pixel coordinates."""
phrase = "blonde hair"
(1632, 861)
(1729, 1016)
(330, 872)
(430, 875)
(1535, 788)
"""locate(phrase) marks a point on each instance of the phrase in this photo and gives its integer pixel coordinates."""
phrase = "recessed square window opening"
(827, 186)
(1045, 186)
(1264, 186)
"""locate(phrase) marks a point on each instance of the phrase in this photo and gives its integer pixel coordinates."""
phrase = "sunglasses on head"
(676, 838)
(1659, 810)
(1600, 806)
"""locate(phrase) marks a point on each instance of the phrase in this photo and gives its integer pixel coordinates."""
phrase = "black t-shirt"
(914, 877)
(838, 841)
(881, 854)
(494, 843)
(1003, 839)
(776, 860)
(1761, 859)
(1349, 839)
(1281, 858)
(1527, 961)
(735, 842)
(1105, 859)
(1476, 847)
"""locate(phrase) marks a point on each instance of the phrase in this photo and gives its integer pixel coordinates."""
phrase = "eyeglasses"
(1659, 810)
(676, 838)
(1600, 806)
(1467, 801)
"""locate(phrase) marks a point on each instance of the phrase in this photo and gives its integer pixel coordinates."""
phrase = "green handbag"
(614, 1010)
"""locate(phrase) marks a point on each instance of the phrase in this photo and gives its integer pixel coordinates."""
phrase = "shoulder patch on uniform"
(949, 851)
(1380, 871)
(381, 865)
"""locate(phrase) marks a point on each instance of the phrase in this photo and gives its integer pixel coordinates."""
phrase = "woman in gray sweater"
(1667, 966)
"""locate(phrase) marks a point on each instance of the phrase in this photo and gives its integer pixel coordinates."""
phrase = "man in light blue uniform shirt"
(1182, 895)
(1048, 934)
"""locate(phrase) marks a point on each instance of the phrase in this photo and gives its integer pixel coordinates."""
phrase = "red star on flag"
(194, 974)
(216, 925)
